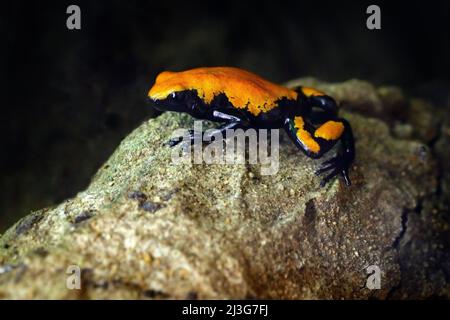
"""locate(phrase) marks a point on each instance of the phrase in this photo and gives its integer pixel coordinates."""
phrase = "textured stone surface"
(149, 228)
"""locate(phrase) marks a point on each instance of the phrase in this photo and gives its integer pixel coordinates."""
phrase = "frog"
(240, 99)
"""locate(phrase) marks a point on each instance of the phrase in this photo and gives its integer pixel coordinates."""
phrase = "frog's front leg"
(315, 142)
(206, 136)
(231, 122)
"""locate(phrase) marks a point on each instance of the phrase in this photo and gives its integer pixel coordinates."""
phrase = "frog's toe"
(327, 165)
(173, 142)
(347, 180)
(189, 138)
(330, 176)
(324, 168)
(329, 161)
(336, 165)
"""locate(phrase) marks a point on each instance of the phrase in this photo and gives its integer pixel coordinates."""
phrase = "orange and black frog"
(241, 99)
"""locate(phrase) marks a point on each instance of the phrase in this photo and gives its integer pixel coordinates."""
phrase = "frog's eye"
(177, 96)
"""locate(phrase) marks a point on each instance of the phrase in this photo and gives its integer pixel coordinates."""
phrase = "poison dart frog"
(241, 99)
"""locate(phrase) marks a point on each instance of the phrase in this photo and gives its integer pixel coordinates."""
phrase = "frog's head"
(174, 101)
(168, 94)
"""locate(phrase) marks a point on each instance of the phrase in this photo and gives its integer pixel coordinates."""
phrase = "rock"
(148, 228)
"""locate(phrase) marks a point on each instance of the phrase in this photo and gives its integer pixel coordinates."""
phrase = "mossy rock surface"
(148, 228)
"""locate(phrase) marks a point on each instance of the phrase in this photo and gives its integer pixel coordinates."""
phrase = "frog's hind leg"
(316, 140)
(344, 158)
(315, 100)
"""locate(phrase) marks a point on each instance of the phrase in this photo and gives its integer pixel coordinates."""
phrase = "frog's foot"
(189, 138)
(205, 137)
(173, 142)
(336, 165)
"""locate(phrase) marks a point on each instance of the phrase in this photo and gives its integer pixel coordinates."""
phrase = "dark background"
(69, 97)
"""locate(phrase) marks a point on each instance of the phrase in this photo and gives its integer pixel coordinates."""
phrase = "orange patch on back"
(304, 136)
(164, 75)
(330, 130)
(311, 92)
(243, 89)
